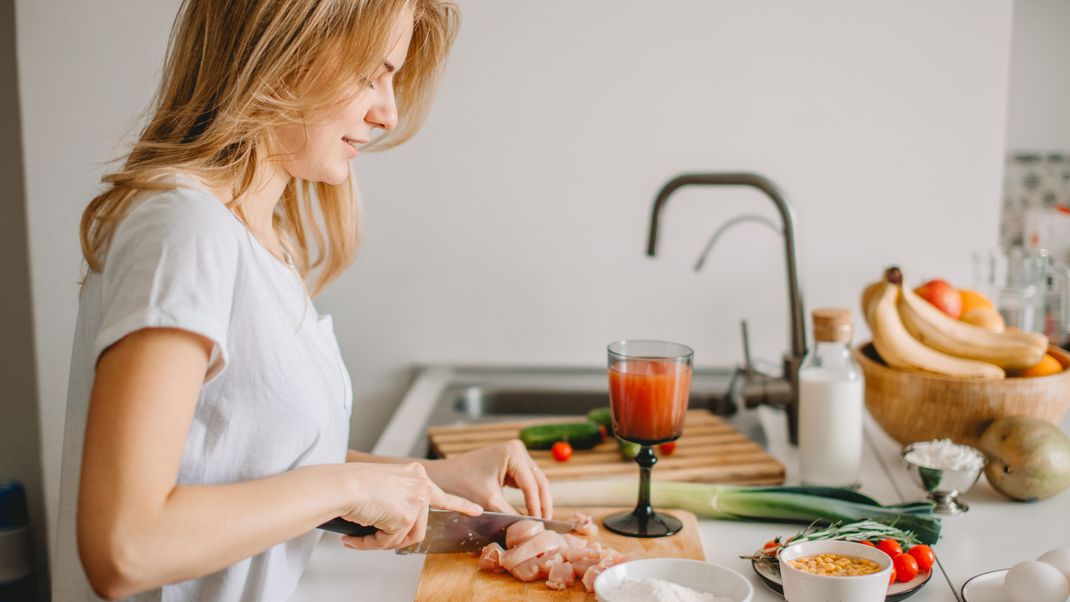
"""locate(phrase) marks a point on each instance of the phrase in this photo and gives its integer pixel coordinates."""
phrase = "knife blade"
(449, 531)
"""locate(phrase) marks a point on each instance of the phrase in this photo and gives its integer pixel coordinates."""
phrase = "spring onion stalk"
(789, 504)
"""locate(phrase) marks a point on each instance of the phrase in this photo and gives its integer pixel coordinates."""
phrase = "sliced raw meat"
(548, 561)
(572, 540)
(527, 570)
(540, 544)
(533, 553)
(583, 525)
(561, 576)
(521, 531)
(580, 566)
(590, 575)
(491, 559)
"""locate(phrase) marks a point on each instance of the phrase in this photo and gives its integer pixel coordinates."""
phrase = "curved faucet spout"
(782, 391)
(787, 218)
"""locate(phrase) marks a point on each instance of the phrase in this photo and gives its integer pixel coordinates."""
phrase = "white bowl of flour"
(671, 579)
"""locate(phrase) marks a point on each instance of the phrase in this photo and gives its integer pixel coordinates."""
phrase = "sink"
(480, 395)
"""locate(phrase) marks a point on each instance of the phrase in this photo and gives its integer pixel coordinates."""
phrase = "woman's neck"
(258, 204)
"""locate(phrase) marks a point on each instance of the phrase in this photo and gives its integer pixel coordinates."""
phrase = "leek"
(789, 504)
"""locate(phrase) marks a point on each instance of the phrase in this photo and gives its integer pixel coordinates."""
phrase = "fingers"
(417, 533)
(498, 504)
(444, 501)
(524, 475)
(544, 492)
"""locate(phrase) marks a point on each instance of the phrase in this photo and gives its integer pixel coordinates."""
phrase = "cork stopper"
(832, 325)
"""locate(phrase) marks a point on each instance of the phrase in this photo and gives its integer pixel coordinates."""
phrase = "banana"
(1008, 350)
(901, 350)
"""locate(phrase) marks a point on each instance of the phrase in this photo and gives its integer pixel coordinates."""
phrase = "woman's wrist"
(335, 484)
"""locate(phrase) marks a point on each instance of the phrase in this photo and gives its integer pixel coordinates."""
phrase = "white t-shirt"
(277, 395)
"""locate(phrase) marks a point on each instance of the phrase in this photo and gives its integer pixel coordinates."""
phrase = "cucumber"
(580, 435)
(628, 450)
(602, 416)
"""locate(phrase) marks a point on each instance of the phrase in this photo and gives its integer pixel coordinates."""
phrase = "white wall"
(512, 230)
(1038, 110)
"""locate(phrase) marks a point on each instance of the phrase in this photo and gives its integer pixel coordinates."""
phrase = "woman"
(208, 410)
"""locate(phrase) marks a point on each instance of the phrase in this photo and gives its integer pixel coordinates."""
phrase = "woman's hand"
(395, 499)
(480, 474)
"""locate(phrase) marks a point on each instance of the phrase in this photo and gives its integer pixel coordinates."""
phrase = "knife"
(449, 531)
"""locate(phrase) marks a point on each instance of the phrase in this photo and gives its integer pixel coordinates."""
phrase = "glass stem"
(646, 460)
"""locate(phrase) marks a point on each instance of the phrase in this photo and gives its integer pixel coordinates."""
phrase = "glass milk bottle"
(830, 404)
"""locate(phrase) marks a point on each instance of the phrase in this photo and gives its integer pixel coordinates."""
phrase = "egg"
(1033, 581)
(1060, 559)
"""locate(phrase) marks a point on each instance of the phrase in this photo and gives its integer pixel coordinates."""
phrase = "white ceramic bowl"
(696, 574)
(800, 586)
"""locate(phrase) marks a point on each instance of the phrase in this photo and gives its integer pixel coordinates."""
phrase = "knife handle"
(341, 525)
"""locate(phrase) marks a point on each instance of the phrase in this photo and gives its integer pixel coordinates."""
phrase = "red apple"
(942, 295)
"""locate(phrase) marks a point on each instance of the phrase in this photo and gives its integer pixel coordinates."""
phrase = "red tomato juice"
(648, 399)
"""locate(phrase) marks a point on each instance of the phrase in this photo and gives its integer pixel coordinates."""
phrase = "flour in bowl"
(946, 455)
(657, 590)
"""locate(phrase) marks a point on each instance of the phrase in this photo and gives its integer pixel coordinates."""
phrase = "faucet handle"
(748, 365)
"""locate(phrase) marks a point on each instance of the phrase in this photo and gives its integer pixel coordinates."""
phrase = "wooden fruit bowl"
(912, 406)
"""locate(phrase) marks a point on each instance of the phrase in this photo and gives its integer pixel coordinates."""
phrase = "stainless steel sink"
(475, 395)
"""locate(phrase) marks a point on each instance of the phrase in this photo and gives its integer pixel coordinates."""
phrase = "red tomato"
(924, 555)
(891, 577)
(602, 432)
(667, 448)
(906, 568)
(890, 547)
(867, 542)
(561, 451)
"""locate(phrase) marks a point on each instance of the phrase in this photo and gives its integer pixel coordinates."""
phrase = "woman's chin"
(334, 177)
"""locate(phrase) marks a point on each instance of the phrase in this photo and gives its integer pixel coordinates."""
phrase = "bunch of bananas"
(910, 334)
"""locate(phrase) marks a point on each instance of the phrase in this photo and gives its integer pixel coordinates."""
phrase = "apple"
(942, 295)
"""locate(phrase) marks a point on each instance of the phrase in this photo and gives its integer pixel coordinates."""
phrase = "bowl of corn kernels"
(815, 571)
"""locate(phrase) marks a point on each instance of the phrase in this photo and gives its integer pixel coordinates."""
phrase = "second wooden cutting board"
(456, 577)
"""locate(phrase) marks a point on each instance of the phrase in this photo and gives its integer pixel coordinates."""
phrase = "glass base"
(631, 524)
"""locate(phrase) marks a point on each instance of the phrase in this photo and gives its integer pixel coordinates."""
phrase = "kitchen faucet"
(749, 387)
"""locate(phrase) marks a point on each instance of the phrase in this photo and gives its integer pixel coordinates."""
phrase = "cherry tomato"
(906, 568)
(561, 451)
(770, 548)
(602, 431)
(891, 577)
(667, 448)
(890, 547)
(924, 555)
(867, 542)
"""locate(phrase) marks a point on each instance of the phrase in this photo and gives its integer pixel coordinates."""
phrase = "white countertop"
(996, 533)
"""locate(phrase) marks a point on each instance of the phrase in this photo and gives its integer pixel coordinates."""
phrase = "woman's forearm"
(353, 455)
(201, 529)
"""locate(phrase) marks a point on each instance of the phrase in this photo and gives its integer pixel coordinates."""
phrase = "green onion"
(825, 505)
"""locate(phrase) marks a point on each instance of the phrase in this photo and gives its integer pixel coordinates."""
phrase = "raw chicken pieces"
(531, 553)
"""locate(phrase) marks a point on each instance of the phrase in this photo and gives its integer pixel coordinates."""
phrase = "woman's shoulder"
(183, 212)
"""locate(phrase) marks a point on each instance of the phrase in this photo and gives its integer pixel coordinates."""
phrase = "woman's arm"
(138, 530)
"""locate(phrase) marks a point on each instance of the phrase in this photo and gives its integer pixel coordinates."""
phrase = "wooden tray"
(709, 451)
(456, 577)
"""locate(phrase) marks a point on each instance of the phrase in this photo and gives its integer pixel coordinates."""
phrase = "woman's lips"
(352, 145)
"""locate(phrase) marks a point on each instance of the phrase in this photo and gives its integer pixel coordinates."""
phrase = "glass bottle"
(830, 404)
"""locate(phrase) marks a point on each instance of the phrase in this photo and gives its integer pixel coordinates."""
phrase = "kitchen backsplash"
(1033, 180)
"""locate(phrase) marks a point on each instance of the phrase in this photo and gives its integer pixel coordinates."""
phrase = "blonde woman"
(208, 411)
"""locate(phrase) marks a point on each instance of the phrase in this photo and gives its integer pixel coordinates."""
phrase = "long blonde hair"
(237, 69)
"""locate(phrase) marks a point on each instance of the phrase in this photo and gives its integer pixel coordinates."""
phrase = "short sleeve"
(172, 263)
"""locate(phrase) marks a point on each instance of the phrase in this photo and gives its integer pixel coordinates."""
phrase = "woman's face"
(321, 150)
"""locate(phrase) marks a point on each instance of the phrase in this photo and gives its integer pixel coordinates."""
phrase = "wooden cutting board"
(457, 578)
(709, 451)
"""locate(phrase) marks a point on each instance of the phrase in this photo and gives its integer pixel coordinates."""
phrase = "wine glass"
(649, 382)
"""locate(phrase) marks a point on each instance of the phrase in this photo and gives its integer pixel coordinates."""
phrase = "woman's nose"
(384, 111)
